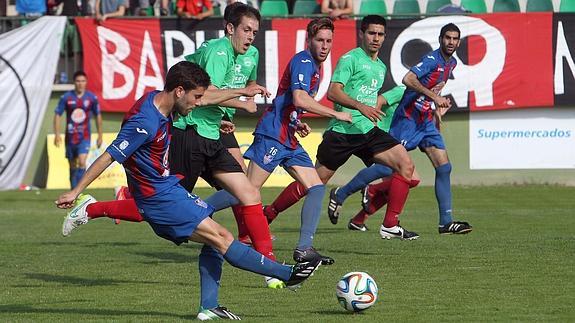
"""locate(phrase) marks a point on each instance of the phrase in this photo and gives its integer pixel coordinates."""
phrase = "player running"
(354, 87)
(79, 106)
(172, 212)
(275, 143)
(416, 124)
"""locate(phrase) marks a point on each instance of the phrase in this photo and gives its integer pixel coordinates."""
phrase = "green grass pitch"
(517, 265)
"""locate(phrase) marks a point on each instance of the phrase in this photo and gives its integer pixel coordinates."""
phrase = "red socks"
(258, 228)
(398, 191)
(288, 197)
(123, 210)
(243, 232)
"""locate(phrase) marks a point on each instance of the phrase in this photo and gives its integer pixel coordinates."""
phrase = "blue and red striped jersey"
(78, 111)
(432, 72)
(280, 120)
(142, 148)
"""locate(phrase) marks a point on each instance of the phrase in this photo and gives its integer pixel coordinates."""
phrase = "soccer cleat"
(356, 227)
(397, 232)
(274, 283)
(217, 313)
(456, 227)
(78, 215)
(300, 272)
(334, 207)
(365, 199)
(310, 254)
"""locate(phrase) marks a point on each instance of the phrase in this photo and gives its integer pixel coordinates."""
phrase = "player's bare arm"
(410, 80)
(66, 200)
(336, 94)
(302, 100)
(57, 137)
(100, 130)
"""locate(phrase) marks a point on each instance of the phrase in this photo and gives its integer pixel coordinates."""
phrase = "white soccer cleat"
(274, 283)
(78, 215)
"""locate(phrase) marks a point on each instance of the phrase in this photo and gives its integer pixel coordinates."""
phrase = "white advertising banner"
(28, 61)
(522, 139)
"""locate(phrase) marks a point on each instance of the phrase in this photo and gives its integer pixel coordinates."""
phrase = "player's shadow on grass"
(70, 280)
(331, 251)
(23, 309)
(170, 257)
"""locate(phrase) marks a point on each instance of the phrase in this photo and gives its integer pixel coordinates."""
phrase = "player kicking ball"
(173, 213)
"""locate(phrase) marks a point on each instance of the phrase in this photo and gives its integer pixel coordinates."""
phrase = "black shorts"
(193, 156)
(336, 148)
(229, 140)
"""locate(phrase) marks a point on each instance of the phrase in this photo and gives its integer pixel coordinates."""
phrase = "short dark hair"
(318, 24)
(187, 75)
(371, 20)
(79, 73)
(236, 13)
(449, 27)
(229, 10)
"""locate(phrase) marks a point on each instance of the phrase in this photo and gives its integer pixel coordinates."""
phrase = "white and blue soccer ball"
(356, 291)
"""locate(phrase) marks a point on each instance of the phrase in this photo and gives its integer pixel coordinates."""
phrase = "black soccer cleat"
(217, 313)
(310, 254)
(300, 272)
(397, 232)
(456, 227)
(334, 207)
(356, 227)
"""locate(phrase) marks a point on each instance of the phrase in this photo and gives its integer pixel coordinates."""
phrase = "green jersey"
(362, 78)
(226, 70)
(393, 97)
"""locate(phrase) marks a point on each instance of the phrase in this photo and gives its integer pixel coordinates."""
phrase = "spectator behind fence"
(194, 9)
(31, 8)
(337, 9)
(110, 8)
(145, 5)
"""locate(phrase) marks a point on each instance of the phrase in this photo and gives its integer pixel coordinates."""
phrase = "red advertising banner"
(525, 46)
(506, 60)
(123, 59)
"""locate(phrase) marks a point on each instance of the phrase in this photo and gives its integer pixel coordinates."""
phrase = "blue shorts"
(269, 153)
(74, 150)
(413, 135)
(174, 214)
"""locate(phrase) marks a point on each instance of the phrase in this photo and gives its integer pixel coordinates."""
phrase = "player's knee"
(250, 195)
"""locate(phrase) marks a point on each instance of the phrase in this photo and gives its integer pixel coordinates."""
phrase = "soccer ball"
(356, 291)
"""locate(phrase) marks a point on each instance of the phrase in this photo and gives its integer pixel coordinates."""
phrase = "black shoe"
(300, 272)
(217, 313)
(334, 207)
(456, 227)
(357, 227)
(365, 199)
(397, 232)
(311, 254)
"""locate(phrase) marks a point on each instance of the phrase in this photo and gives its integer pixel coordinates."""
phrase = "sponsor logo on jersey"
(140, 130)
(78, 115)
(124, 144)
